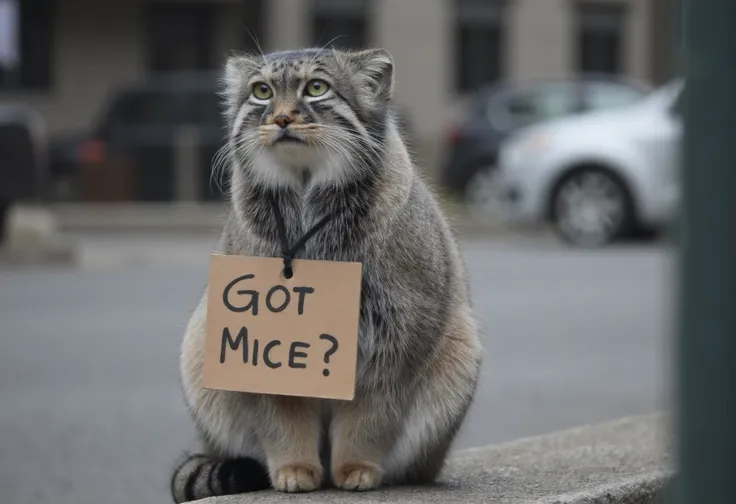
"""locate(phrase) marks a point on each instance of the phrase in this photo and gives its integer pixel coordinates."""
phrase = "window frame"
(490, 17)
(204, 14)
(357, 11)
(619, 9)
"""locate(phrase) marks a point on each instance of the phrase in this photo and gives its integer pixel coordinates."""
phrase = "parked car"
(597, 177)
(497, 111)
(129, 151)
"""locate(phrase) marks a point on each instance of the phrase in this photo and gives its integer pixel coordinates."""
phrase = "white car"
(599, 176)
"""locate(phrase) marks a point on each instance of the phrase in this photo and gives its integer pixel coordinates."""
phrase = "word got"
(268, 334)
(274, 306)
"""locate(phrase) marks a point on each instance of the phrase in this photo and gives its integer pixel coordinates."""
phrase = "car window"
(205, 109)
(146, 109)
(601, 96)
(541, 103)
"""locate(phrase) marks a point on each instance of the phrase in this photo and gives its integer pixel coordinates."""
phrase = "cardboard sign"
(271, 335)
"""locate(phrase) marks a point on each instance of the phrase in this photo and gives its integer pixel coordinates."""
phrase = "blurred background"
(550, 130)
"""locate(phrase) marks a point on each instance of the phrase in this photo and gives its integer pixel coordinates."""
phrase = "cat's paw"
(297, 478)
(357, 476)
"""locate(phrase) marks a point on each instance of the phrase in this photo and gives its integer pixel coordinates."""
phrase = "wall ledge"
(626, 461)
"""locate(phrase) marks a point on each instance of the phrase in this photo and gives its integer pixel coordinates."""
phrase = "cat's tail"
(200, 476)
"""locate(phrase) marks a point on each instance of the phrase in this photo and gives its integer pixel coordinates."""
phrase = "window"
(253, 26)
(180, 36)
(26, 40)
(479, 43)
(600, 37)
(342, 23)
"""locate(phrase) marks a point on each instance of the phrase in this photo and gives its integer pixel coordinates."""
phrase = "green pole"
(706, 419)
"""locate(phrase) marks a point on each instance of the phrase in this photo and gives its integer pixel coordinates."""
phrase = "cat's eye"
(316, 87)
(262, 91)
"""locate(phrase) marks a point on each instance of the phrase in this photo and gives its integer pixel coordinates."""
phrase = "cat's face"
(320, 110)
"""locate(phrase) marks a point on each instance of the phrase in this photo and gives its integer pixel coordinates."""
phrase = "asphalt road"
(90, 409)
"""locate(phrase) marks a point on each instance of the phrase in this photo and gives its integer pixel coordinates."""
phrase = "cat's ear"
(375, 70)
(238, 69)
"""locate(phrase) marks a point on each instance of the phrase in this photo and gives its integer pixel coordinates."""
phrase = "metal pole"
(706, 419)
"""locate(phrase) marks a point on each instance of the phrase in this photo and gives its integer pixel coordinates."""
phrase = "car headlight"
(535, 142)
(525, 146)
(532, 142)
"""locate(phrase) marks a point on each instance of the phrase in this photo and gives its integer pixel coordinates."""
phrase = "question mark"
(328, 353)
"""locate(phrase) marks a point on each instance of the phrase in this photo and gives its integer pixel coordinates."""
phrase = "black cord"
(288, 252)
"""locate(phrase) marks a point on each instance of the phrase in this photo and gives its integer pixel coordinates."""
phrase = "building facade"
(70, 54)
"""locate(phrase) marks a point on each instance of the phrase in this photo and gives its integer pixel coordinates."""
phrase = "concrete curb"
(207, 218)
(649, 488)
(627, 461)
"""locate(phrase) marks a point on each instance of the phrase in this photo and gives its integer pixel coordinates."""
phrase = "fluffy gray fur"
(419, 352)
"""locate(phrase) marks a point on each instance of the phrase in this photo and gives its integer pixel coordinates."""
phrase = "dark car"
(496, 111)
(22, 158)
(130, 150)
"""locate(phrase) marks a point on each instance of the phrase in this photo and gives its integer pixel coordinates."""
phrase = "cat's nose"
(283, 120)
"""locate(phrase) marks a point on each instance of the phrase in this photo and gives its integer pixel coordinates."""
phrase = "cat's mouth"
(287, 137)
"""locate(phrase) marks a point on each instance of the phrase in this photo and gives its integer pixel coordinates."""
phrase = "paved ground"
(90, 410)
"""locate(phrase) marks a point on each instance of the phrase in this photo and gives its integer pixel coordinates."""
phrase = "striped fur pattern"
(340, 151)
(199, 476)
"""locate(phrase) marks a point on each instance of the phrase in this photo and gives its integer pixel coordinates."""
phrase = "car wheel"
(591, 208)
(481, 195)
